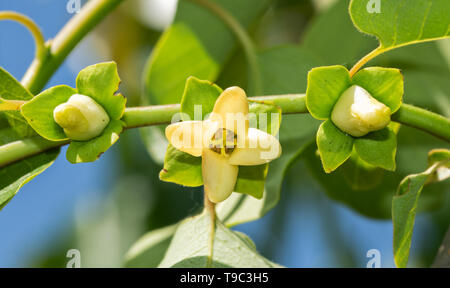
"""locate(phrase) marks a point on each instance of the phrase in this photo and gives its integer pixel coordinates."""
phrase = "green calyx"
(81, 118)
(88, 115)
(357, 113)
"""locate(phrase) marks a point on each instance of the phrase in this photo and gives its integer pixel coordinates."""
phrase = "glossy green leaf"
(100, 82)
(190, 247)
(177, 56)
(89, 151)
(384, 84)
(400, 23)
(325, 86)
(378, 148)
(284, 69)
(14, 176)
(17, 174)
(332, 37)
(149, 250)
(196, 44)
(39, 111)
(334, 146)
(404, 206)
(11, 89)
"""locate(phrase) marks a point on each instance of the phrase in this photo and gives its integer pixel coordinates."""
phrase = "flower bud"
(81, 117)
(358, 113)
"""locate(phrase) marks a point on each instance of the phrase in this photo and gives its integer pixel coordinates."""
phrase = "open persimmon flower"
(224, 141)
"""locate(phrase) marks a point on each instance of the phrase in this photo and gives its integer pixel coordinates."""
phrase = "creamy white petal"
(260, 147)
(358, 113)
(231, 110)
(190, 136)
(219, 177)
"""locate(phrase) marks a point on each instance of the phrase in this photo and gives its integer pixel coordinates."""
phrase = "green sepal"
(200, 93)
(378, 148)
(101, 82)
(89, 151)
(181, 168)
(384, 84)
(39, 111)
(251, 180)
(335, 147)
(325, 86)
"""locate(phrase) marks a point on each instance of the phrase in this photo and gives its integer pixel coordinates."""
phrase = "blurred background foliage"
(321, 220)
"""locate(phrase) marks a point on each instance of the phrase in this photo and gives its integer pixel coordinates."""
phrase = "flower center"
(223, 142)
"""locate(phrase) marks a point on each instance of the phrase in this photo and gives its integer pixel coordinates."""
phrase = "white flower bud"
(81, 117)
(358, 113)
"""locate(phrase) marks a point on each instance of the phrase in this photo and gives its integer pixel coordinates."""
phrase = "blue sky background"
(44, 209)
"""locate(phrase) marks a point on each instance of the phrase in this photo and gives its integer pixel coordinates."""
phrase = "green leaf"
(181, 168)
(402, 23)
(89, 151)
(149, 250)
(200, 93)
(325, 86)
(404, 206)
(333, 38)
(177, 56)
(11, 89)
(284, 68)
(197, 44)
(100, 82)
(190, 247)
(378, 148)
(384, 84)
(14, 176)
(334, 146)
(39, 111)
